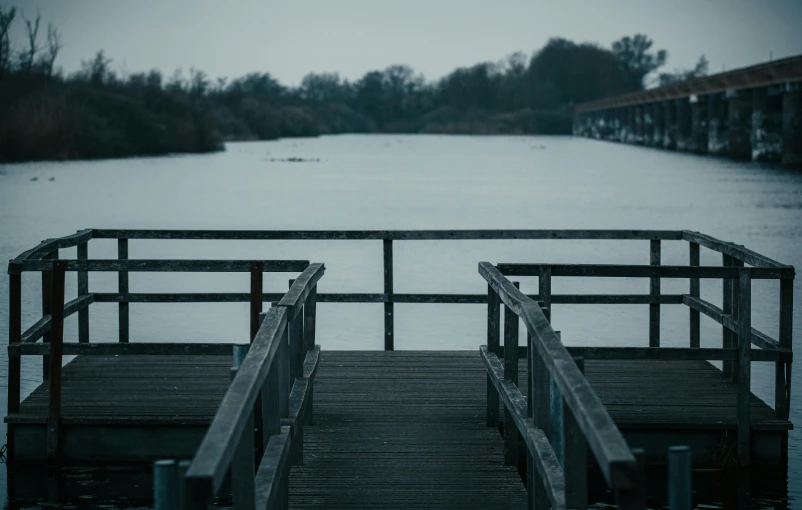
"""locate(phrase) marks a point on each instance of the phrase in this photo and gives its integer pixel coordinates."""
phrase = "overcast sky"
(289, 38)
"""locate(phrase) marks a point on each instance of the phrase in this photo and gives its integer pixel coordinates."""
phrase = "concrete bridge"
(750, 113)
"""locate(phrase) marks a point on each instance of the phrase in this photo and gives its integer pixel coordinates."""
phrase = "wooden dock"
(282, 423)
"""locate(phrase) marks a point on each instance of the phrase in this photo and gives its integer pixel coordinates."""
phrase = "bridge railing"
(274, 385)
(50, 327)
(555, 477)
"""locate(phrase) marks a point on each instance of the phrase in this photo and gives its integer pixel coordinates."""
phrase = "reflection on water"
(413, 182)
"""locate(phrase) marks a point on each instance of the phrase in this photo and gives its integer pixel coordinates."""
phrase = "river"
(412, 182)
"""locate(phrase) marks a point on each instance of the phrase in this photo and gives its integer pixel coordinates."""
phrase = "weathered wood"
(165, 485)
(169, 265)
(182, 492)
(506, 291)
(328, 297)
(47, 302)
(662, 353)
(694, 292)
(575, 457)
(42, 327)
(548, 466)
(122, 288)
(759, 338)
(83, 290)
(272, 468)
(736, 296)
(654, 290)
(744, 365)
(389, 339)
(731, 250)
(215, 452)
(511, 323)
(310, 320)
(493, 344)
(117, 349)
(634, 497)
(782, 376)
(640, 271)
(55, 359)
(48, 246)
(727, 341)
(14, 336)
(300, 288)
(243, 469)
(257, 279)
(679, 478)
(544, 290)
(398, 235)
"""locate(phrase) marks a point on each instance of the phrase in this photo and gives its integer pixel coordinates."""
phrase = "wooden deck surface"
(391, 429)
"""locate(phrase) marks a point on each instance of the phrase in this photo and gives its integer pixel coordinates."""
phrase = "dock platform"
(276, 421)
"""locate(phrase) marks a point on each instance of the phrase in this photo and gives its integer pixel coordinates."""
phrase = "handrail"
(614, 457)
(161, 265)
(215, 453)
(643, 271)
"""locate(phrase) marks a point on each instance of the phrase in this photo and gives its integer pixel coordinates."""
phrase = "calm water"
(414, 182)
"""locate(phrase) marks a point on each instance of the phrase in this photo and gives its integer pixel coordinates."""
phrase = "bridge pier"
(792, 125)
(739, 120)
(647, 124)
(638, 124)
(699, 130)
(767, 138)
(683, 120)
(658, 125)
(718, 141)
(670, 124)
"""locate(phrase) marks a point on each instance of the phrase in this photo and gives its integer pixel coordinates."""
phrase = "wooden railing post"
(575, 457)
(493, 325)
(511, 323)
(389, 343)
(736, 298)
(744, 364)
(243, 466)
(694, 291)
(556, 416)
(47, 303)
(257, 285)
(310, 315)
(726, 306)
(83, 290)
(56, 346)
(14, 359)
(544, 291)
(782, 386)
(634, 498)
(679, 478)
(654, 290)
(297, 353)
(122, 284)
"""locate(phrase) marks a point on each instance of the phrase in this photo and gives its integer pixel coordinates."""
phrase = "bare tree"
(6, 17)
(53, 47)
(29, 57)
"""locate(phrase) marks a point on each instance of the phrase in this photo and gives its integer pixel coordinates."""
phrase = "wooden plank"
(398, 235)
(55, 358)
(744, 365)
(731, 250)
(215, 452)
(83, 290)
(48, 246)
(506, 291)
(272, 468)
(694, 292)
(640, 271)
(654, 290)
(169, 265)
(387, 245)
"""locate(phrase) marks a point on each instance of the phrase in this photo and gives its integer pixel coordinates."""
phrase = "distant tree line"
(97, 113)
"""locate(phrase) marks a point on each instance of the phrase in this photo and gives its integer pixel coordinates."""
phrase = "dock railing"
(556, 477)
(279, 370)
(50, 327)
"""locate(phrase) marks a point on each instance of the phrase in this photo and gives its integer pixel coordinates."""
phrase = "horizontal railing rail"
(272, 393)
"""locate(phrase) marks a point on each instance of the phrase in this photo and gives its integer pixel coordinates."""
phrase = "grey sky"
(289, 38)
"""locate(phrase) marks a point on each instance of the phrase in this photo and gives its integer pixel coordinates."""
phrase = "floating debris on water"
(52, 179)
(34, 179)
(294, 160)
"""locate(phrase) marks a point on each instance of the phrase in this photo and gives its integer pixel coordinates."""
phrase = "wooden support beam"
(511, 323)
(727, 341)
(83, 290)
(744, 365)
(575, 457)
(782, 380)
(122, 286)
(389, 339)
(493, 333)
(654, 290)
(56, 343)
(694, 291)
(47, 302)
